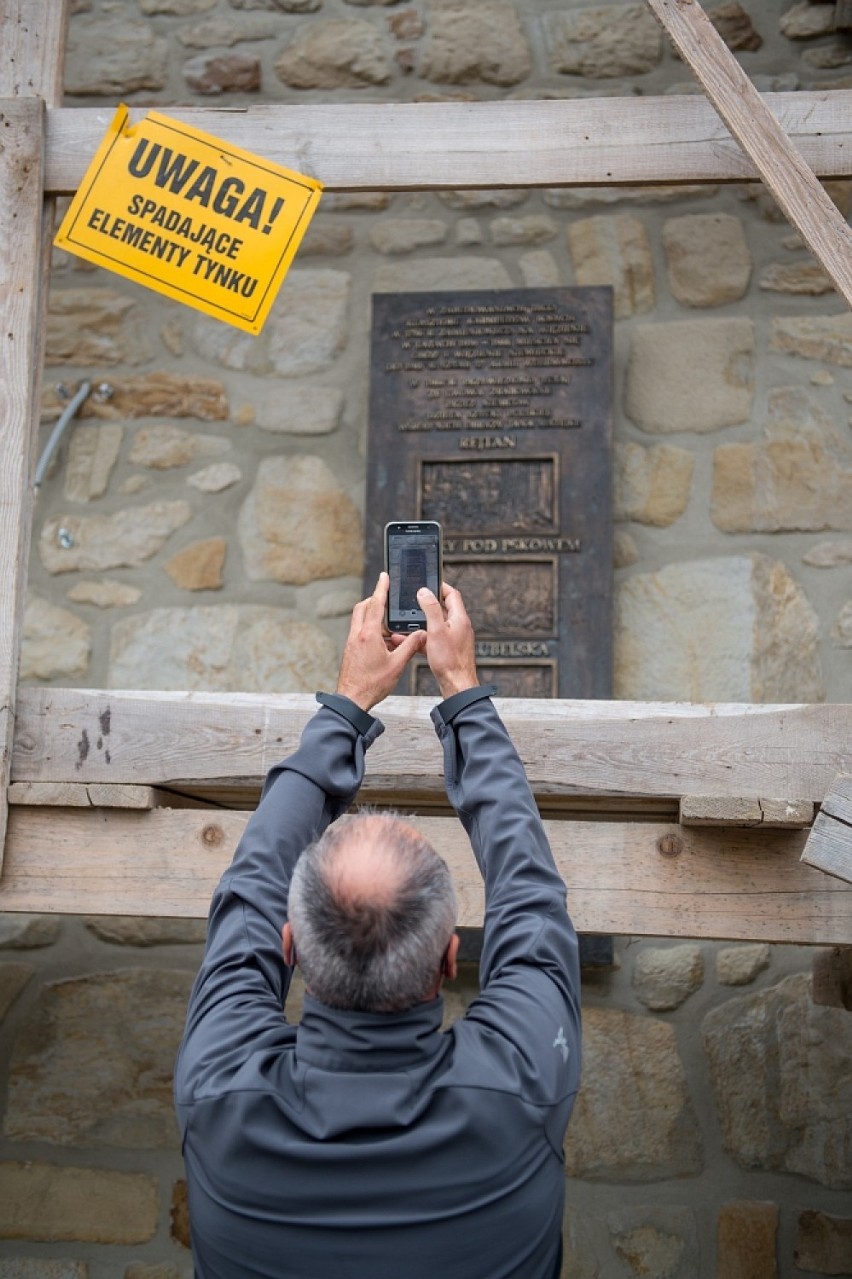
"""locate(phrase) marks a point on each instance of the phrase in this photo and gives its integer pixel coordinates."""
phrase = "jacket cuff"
(360, 719)
(449, 708)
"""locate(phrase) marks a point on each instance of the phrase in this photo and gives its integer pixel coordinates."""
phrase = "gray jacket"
(376, 1146)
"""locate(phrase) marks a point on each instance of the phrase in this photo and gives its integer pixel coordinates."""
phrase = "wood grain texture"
(33, 38)
(829, 845)
(780, 165)
(457, 145)
(21, 147)
(740, 885)
(592, 748)
(719, 810)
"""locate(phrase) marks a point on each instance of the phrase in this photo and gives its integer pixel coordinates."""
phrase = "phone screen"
(413, 559)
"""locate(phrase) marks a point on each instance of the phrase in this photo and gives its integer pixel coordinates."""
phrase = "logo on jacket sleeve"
(561, 1043)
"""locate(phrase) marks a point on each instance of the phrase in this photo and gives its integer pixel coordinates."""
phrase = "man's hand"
(450, 642)
(373, 661)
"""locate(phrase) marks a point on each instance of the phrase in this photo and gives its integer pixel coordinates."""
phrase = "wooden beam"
(832, 978)
(593, 748)
(96, 795)
(719, 810)
(644, 879)
(829, 845)
(33, 38)
(780, 165)
(458, 145)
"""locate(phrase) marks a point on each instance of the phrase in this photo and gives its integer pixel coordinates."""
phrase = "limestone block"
(337, 603)
(198, 567)
(740, 965)
(337, 53)
(691, 375)
(226, 647)
(614, 249)
(841, 631)
(162, 447)
(28, 932)
(92, 453)
(708, 259)
(305, 410)
(746, 1241)
(798, 477)
(29, 1268)
(829, 555)
(735, 26)
(579, 1260)
(805, 20)
(474, 41)
(654, 1242)
(423, 274)
(134, 484)
(149, 395)
(814, 337)
(402, 235)
(539, 269)
(49, 1203)
(92, 1065)
(282, 6)
(533, 229)
(114, 55)
(664, 978)
(54, 641)
(132, 930)
(824, 1244)
(826, 57)
(624, 550)
(571, 198)
(87, 326)
(123, 540)
(502, 198)
(139, 1270)
(214, 73)
(603, 41)
(308, 327)
(795, 277)
(322, 240)
(215, 478)
(219, 32)
(298, 525)
(178, 8)
(180, 1231)
(651, 485)
(779, 1066)
(633, 1120)
(13, 979)
(730, 629)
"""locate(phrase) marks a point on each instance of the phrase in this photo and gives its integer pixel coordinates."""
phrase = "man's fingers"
(410, 645)
(429, 603)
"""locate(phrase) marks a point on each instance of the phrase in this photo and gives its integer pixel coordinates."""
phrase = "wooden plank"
(832, 978)
(96, 795)
(736, 885)
(782, 168)
(593, 748)
(829, 846)
(720, 810)
(21, 245)
(33, 40)
(458, 145)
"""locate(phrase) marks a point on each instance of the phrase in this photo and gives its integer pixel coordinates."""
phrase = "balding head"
(372, 911)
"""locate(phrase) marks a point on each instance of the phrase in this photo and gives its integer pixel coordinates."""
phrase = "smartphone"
(413, 558)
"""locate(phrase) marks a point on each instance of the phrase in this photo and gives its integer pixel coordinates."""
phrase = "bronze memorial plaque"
(491, 413)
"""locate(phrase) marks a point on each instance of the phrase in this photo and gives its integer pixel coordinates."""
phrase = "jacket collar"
(335, 1039)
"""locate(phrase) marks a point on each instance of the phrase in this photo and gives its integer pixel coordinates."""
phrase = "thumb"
(431, 607)
(412, 644)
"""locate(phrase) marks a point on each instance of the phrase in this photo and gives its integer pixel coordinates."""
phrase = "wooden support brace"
(829, 846)
(779, 164)
(717, 810)
(832, 978)
(97, 795)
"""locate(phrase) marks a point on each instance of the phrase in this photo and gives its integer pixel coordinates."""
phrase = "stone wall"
(201, 528)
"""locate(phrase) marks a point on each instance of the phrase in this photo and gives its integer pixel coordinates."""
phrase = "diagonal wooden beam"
(779, 164)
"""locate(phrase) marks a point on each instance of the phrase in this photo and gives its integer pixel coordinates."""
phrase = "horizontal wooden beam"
(719, 810)
(458, 145)
(96, 795)
(643, 879)
(570, 748)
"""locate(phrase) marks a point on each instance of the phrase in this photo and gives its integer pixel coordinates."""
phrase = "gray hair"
(372, 954)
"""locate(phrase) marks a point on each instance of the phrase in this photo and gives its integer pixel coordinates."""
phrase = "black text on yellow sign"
(184, 213)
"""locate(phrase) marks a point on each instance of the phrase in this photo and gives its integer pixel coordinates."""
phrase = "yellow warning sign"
(193, 217)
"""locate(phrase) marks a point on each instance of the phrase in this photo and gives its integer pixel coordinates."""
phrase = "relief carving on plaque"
(513, 679)
(497, 496)
(508, 598)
